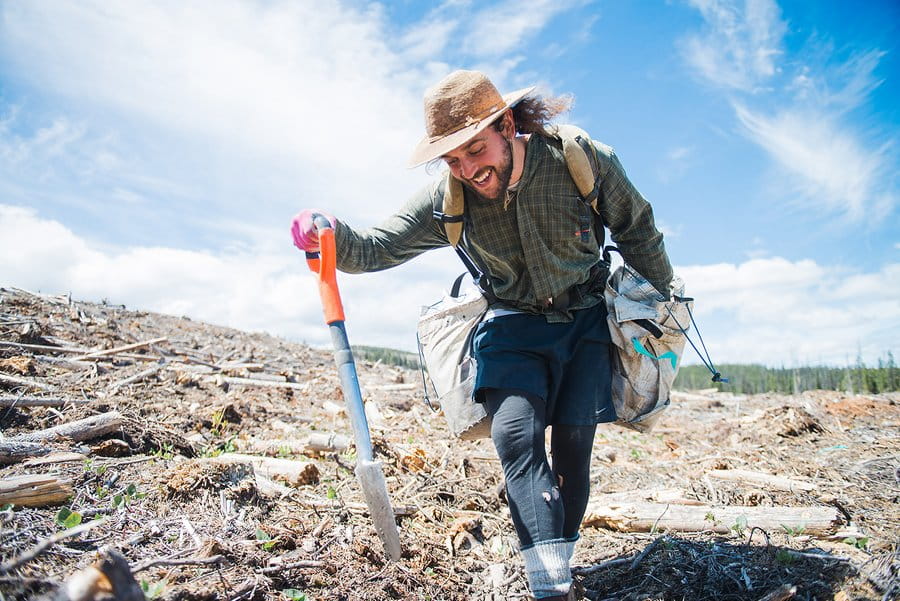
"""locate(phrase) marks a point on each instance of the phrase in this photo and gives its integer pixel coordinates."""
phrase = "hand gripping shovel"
(368, 471)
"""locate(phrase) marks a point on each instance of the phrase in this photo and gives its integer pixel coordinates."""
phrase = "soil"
(162, 505)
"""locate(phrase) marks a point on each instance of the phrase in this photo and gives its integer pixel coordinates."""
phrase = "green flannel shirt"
(538, 247)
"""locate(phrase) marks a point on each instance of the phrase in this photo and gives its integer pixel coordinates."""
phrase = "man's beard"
(503, 173)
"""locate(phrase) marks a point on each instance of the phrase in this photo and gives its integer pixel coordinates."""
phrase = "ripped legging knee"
(545, 503)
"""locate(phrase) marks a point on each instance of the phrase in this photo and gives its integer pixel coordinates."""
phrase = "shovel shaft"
(343, 358)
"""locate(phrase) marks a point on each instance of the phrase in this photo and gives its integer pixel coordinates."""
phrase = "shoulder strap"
(581, 160)
(450, 213)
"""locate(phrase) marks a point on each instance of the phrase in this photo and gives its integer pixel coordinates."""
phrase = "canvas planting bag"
(649, 335)
(444, 332)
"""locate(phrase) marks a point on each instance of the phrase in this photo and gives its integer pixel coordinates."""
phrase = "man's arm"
(629, 218)
(401, 237)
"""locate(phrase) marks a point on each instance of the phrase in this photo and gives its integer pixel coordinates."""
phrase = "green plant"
(97, 469)
(166, 450)
(332, 493)
(740, 524)
(67, 518)
(294, 595)
(860, 543)
(214, 450)
(284, 451)
(127, 495)
(6, 507)
(219, 425)
(153, 591)
(267, 541)
(794, 530)
(785, 557)
(636, 453)
(710, 516)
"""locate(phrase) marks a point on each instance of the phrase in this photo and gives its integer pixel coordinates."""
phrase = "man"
(543, 349)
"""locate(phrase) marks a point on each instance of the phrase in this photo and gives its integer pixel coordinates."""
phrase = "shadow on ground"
(675, 569)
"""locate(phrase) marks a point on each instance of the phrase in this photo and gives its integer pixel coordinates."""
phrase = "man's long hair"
(534, 113)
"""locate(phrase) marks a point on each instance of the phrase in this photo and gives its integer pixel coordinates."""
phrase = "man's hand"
(304, 233)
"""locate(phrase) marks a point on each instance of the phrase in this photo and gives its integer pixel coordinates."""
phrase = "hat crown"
(461, 99)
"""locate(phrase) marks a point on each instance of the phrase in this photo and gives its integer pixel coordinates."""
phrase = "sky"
(152, 154)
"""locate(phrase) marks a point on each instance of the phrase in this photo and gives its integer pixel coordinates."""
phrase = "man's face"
(483, 164)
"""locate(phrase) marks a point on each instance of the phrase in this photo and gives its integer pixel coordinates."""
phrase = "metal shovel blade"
(368, 471)
(374, 488)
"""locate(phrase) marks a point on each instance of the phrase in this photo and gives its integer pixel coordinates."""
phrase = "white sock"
(570, 549)
(547, 568)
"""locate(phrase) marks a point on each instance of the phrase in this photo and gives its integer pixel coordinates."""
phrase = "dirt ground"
(168, 499)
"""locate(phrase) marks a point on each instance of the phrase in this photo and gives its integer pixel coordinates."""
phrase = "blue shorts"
(565, 364)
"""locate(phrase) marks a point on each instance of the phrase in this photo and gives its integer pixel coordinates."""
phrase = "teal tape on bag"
(669, 355)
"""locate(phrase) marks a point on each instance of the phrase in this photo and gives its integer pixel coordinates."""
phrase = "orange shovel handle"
(324, 265)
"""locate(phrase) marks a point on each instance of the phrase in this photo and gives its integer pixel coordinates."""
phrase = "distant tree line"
(750, 379)
(388, 356)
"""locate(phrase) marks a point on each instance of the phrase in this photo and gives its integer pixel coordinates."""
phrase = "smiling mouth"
(482, 178)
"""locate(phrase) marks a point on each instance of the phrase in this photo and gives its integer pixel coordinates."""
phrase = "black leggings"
(545, 503)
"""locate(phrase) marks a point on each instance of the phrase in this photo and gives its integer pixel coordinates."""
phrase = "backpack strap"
(451, 211)
(581, 160)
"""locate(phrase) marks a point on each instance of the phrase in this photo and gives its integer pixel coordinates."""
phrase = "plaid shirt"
(538, 247)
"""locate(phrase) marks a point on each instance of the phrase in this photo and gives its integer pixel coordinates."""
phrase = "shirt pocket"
(566, 218)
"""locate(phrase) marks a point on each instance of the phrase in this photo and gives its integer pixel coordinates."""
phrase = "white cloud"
(824, 161)
(295, 84)
(826, 165)
(842, 86)
(739, 47)
(775, 311)
(503, 27)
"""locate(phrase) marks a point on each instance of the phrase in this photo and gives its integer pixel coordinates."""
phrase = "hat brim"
(429, 149)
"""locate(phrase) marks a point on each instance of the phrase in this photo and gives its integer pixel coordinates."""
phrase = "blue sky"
(152, 154)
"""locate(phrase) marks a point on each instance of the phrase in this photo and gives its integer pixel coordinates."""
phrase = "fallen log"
(69, 363)
(327, 441)
(302, 442)
(136, 377)
(121, 349)
(25, 382)
(34, 491)
(762, 479)
(218, 380)
(42, 347)
(82, 429)
(33, 401)
(295, 473)
(641, 516)
(12, 451)
(62, 457)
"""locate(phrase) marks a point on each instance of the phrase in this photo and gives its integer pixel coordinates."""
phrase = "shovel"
(368, 471)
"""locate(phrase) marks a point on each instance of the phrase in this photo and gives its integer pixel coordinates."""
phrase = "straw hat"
(456, 109)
